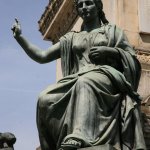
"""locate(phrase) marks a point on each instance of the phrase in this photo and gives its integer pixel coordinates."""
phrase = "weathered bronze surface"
(96, 102)
(7, 140)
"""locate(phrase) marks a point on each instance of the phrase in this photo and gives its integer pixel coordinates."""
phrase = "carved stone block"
(109, 7)
(144, 13)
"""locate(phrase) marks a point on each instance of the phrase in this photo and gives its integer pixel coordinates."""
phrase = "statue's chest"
(82, 42)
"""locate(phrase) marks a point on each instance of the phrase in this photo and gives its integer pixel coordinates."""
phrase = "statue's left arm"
(129, 61)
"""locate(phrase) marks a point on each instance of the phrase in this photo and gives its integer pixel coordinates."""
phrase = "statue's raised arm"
(34, 52)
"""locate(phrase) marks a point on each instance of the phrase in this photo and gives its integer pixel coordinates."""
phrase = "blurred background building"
(133, 17)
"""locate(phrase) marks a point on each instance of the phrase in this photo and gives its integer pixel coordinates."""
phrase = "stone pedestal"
(100, 147)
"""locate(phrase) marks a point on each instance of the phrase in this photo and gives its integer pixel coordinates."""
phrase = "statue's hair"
(99, 6)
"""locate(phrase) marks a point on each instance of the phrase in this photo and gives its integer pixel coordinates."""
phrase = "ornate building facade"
(60, 17)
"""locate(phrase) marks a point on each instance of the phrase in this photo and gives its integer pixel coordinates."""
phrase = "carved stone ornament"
(52, 25)
(143, 56)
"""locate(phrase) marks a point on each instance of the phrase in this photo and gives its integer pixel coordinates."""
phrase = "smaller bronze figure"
(7, 140)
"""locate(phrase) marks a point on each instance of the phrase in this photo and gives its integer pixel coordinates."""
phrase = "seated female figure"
(95, 103)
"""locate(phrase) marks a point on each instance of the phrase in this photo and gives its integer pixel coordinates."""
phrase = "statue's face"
(87, 9)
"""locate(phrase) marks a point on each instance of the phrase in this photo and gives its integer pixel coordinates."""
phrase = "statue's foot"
(70, 144)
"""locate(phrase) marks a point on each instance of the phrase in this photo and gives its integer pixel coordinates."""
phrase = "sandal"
(70, 144)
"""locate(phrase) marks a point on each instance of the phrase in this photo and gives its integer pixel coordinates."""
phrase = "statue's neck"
(91, 25)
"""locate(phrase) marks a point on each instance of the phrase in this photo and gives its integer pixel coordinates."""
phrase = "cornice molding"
(52, 25)
(49, 14)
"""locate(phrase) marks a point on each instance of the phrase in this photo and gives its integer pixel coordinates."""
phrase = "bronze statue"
(7, 140)
(96, 102)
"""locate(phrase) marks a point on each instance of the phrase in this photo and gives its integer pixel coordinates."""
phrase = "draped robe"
(95, 103)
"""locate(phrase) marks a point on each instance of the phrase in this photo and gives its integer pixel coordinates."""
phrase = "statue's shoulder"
(67, 36)
(113, 30)
(111, 26)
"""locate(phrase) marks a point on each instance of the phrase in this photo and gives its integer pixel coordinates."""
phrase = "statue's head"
(97, 6)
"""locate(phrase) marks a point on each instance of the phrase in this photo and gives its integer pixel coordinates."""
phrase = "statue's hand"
(16, 28)
(100, 54)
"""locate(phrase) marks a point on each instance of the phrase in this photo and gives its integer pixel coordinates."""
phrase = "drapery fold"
(96, 104)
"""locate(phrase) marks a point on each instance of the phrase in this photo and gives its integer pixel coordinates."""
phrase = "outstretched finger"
(18, 23)
(16, 20)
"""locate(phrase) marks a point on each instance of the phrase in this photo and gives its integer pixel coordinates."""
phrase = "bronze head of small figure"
(7, 141)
